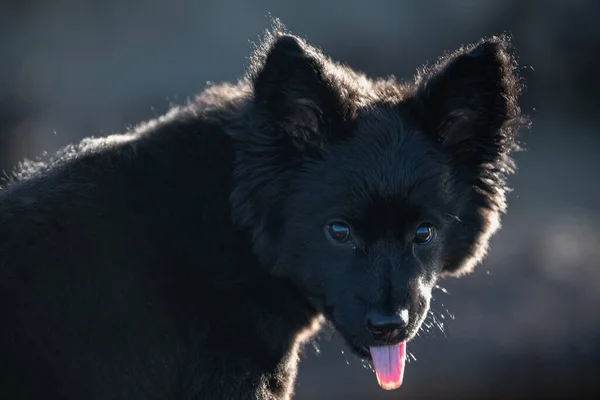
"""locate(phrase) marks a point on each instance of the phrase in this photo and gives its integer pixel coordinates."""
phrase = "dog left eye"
(339, 232)
(425, 234)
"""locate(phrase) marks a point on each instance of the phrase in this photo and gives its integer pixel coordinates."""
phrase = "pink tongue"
(389, 365)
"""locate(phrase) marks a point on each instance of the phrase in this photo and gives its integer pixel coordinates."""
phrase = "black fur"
(187, 259)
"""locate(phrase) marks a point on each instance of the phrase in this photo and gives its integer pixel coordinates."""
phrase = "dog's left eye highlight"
(339, 232)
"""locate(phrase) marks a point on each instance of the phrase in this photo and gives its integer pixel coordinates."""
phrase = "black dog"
(190, 258)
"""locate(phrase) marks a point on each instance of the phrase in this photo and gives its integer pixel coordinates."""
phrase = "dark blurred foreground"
(525, 323)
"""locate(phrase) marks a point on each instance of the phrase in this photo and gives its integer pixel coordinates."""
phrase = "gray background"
(526, 322)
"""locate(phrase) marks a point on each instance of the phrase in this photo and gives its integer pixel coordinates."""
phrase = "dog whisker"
(455, 217)
(443, 290)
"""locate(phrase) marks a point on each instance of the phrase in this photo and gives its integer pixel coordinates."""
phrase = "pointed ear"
(469, 101)
(291, 90)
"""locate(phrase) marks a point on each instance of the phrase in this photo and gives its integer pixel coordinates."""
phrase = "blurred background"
(527, 322)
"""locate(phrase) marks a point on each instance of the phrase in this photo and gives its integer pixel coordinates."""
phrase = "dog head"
(365, 192)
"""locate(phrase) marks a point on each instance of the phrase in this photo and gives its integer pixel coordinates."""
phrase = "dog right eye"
(339, 232)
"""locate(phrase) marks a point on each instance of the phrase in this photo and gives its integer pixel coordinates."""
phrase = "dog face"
(366, 228)
(363, 193)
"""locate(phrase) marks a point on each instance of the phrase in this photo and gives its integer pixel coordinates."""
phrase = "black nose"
(386, 326)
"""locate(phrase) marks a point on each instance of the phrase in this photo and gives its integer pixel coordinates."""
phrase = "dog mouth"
(388, 358)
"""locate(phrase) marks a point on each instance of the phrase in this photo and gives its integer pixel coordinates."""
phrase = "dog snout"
(387, 326)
